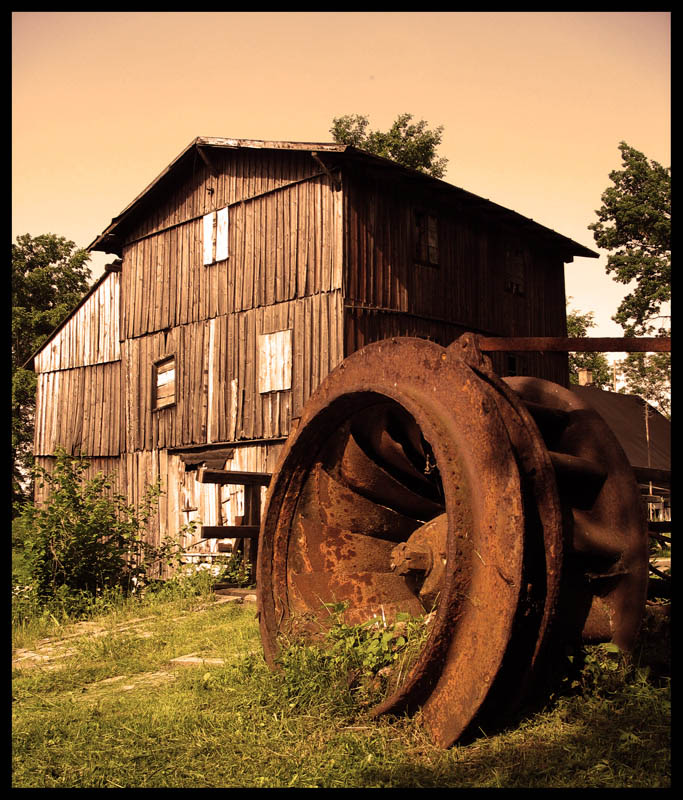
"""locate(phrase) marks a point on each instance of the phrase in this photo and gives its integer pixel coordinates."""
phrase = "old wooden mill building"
(243, 275)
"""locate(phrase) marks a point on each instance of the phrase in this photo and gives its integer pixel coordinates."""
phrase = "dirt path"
(49, 653)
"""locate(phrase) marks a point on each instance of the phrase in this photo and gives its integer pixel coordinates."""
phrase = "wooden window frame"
(425, 224)
(155, 375)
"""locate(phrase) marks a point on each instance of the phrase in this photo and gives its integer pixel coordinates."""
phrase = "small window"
(514, 285)
(275, 361)
(164, 383)
(215, 236)
(426, 237)
(515, 269)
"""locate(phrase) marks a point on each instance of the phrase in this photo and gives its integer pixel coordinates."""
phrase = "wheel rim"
(457, 415)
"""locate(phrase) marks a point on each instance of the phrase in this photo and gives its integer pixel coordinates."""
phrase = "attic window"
(426, 238)
(163, 383)
(215, 236)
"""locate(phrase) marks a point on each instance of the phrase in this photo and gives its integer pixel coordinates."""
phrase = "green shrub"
(186, 582)
(234, 569)
(86, 544)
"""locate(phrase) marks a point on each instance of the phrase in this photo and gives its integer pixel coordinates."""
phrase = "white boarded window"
(209, 237)
(215, 236)
(164, 383)
(275, 361)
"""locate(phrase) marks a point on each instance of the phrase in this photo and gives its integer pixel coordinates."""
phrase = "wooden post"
(252, 516)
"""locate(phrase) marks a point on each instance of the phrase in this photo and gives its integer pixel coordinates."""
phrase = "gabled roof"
(108, 241)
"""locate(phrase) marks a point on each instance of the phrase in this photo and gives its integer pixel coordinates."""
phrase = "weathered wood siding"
(90, 335)
(389, 293)
(363, 326)
(315, 265)
(184, 500)
(283, 244)
(217, 371)
(107, 466)
(238, 174)
(468, 285)
(78, 399)
(81, 410)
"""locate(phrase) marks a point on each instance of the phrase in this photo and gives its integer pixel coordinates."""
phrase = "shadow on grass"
(597, 749)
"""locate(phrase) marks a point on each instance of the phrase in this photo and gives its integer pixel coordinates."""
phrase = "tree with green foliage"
(49, 277)
(649, 376)
(409, 144)
(578, 325)
(634, 224)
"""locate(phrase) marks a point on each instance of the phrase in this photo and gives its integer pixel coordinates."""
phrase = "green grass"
(116, 713)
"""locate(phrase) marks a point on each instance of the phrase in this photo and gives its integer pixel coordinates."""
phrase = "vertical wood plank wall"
(79, 401)
(217, 374)
(91, 334)
(388, 293)
(336, 268)
(81, 410)
(283, 272)
(282, 245)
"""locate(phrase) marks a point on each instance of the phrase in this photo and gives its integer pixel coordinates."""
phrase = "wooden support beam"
(233, 477)
(334, 179)
(583, 344)
(205, 158)
(230, 531)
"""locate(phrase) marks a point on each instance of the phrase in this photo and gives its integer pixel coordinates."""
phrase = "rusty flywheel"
(417, 480)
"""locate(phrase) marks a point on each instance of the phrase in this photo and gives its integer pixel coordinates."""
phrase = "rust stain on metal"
(584, 344)
(416, 481)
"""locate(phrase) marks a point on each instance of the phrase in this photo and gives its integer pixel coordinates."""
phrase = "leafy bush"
(86, 542)
(366, 660)
(235, 569)
(188, 582)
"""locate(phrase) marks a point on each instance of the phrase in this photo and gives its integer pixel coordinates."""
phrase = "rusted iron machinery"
(419, 481)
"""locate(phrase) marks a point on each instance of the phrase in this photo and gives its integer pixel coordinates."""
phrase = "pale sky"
(534, 105)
